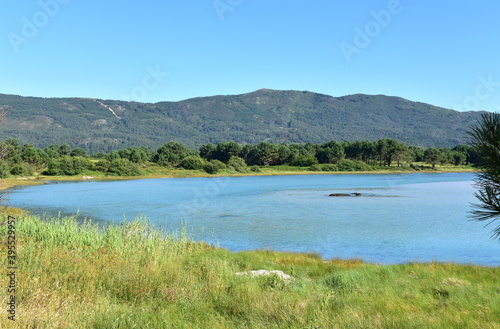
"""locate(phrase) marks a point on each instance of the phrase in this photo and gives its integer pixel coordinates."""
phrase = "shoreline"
(8, 183)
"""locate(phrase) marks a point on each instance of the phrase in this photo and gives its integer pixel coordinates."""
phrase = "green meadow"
(75, 274)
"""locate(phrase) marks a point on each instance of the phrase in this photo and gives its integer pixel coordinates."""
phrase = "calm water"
(398, 218)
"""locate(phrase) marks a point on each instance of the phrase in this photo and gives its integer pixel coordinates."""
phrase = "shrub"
(255, 169)
(237, 163)
(67, 165)
(102, 165)
(330, 167)
(303, 161)
(80, 164)
(21, 169)
(78, 152)
(315, 167)
(353, 165)
(123, 167)
(214, 166)
(4, 169)
(193, 162)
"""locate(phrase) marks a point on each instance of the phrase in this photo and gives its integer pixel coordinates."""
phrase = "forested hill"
(264, 115)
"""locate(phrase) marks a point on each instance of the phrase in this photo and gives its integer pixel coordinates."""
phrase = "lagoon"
(398, 218)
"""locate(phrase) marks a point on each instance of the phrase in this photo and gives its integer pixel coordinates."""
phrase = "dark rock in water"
(344, 194)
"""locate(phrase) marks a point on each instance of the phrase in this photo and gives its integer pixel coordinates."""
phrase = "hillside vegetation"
(264, 115)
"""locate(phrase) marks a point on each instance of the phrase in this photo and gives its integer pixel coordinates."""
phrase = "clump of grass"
(78, 275)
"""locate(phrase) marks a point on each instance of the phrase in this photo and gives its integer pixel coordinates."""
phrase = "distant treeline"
(17, 159)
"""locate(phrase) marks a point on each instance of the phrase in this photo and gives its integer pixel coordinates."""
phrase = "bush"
(218, 164)
(315, 167)
(102, 165)
(193, 162)
(330, 167)
(22, 169)
(80, 164)
(123, 167)
(237, 163)
(78, 152)
(214, 166)
(210, 169)
(67, 165)
(353, 165)
(303, 161)
(255, 169)
(4, 169)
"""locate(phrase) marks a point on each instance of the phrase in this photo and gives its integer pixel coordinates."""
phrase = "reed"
(76, 274)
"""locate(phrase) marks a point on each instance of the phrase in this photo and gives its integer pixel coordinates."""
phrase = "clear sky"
(446, 53)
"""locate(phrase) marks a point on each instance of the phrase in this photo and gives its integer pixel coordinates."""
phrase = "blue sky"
(445, 53)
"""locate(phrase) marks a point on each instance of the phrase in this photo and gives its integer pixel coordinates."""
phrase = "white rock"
(280, 274)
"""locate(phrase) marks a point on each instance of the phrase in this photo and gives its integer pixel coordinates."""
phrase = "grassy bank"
(155, 171)
(130, 276)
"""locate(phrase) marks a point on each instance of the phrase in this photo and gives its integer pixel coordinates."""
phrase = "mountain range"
(274, 116)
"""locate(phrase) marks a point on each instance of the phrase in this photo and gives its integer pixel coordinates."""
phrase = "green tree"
(264, 154)
(30, 155)
(4, 169)
(172, 153)
(247, 152)
(99, 155)
(224, 151)
(331, 152)
(78, 152)
(64, 149)
(446, 156)
(102, 165)
(113, 155)
(207, 151)
(7, 152)
(125, 153)
(140, 154)
(67, 165)
(368, 151)
(53, 151)
(458, 158)
(432, 156)
(417, 153)
(485, 135)
(16, 146)
(386, 150)
(353, 150)
(402, 154)
(21, 169)
(284, 154)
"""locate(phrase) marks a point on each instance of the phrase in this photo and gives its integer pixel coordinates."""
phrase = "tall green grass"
(77, 275)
